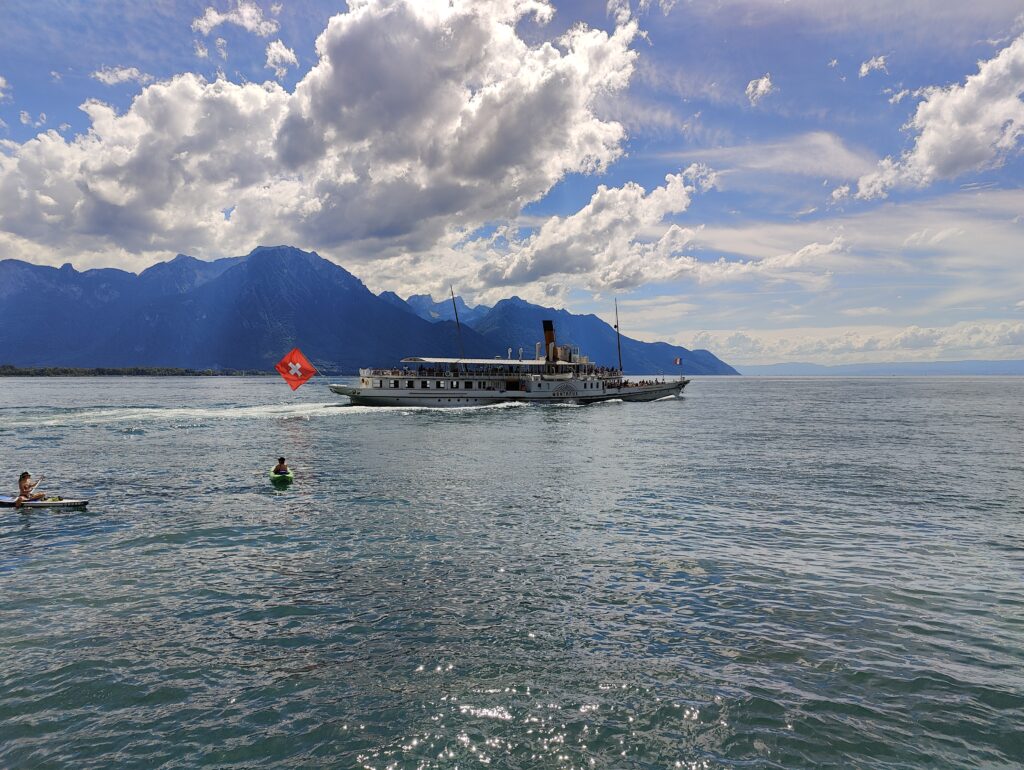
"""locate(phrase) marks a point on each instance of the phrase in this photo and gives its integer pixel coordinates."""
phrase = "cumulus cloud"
(111, 76)
(201, 50)
(5, 88)
(279, 58)
(222, 48)
(961, 128)
(759, 88)
(245, 14)
(871, 65)
(626, 237)
(619, 10)
(840, 194)
(419, 120)
(606, 241)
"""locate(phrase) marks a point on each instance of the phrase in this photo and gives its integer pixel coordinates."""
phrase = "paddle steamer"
(561, 375)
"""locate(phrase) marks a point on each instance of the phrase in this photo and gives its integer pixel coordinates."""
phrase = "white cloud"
(961, 128)
(759, 88)
(27, 120)
(968, 339)
(624, 238)
(276, 9)
(222, 48)
(279, 58)
(833, 63)
(604, 242)
(871, 65)
(5, 88)
(114, 75)
(201, 50)
(245, 14)
(814, 154)
(665, 5)
(925, 23)
(3, 123)
(619, 10)
(420, 122)
(860, 312)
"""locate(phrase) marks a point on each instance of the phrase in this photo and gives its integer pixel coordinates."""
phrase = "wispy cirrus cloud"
(111, 76)
(972, 339)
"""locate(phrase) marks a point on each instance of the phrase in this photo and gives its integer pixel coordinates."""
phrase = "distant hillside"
(246, 312)
(907, 369)
(425, 307)
(239, 313)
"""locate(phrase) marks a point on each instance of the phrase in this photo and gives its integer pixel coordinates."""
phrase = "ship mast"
(458, 326)
(618, 338)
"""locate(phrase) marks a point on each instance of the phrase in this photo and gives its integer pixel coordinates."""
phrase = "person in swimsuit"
(281, 469)
(27, 490)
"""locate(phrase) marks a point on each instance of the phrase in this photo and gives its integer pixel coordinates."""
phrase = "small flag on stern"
(295, 368)
(678, 361)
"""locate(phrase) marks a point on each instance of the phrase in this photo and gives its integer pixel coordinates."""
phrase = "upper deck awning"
(486, 361)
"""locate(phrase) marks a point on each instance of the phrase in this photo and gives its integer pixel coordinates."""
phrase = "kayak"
(46, 502)
(282, 478)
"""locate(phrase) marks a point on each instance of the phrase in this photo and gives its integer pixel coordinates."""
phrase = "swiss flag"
(295, 368)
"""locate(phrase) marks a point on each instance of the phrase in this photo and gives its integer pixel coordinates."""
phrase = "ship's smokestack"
(549, 340)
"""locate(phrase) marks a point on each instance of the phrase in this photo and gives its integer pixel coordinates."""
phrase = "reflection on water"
(765, 573)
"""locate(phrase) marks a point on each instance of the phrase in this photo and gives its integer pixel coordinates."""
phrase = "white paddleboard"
(8, 502)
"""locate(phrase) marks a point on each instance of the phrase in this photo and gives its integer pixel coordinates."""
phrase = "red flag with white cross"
(295, 368)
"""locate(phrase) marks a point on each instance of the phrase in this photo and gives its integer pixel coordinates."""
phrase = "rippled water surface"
(765, 573)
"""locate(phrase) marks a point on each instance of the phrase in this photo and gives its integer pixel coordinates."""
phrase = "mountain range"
(246, 312)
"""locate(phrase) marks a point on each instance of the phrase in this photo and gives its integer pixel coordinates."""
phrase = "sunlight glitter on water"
(762, 573)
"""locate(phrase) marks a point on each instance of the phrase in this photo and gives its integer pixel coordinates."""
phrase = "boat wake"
(135, 416)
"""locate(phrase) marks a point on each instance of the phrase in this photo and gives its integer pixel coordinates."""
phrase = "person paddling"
(27, 490)
(281, 469)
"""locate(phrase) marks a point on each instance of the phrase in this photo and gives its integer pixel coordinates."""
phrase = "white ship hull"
(564, 393)
(560, 376)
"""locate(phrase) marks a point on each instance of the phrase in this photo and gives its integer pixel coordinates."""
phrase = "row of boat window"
(454, 384)
(438, 384)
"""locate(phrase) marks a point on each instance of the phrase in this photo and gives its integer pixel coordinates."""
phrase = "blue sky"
(772, 180)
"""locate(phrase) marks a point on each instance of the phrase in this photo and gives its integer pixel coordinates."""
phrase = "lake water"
(765, 573)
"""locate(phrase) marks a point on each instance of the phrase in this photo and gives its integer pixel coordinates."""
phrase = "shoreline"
(6, 370)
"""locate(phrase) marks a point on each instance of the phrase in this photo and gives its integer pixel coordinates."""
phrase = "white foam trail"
(194, 415)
